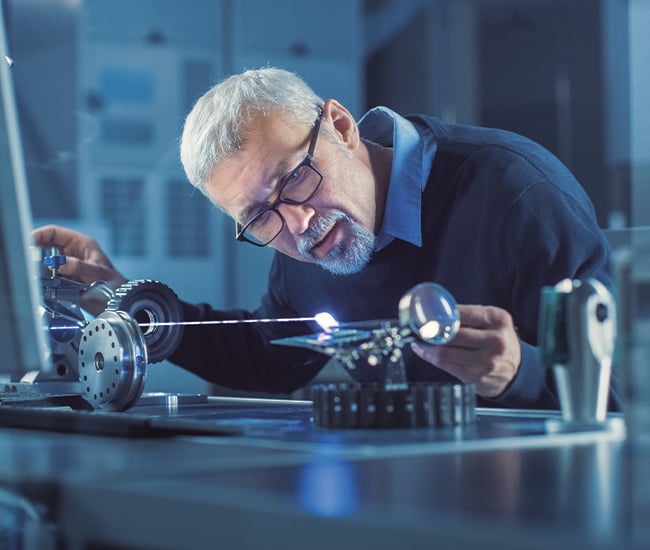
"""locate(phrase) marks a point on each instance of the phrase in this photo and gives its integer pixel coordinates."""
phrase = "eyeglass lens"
(299, 187)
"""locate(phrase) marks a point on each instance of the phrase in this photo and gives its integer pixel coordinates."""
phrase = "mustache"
(317, 229)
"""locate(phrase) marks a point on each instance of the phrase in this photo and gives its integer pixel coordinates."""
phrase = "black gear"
(375, 406)
(157, 309)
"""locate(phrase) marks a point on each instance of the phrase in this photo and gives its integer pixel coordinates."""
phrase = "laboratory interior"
(107, 443)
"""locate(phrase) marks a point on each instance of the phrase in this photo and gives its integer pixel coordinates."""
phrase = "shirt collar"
(409, 174)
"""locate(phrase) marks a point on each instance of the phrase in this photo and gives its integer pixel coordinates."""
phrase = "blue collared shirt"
(412, 157)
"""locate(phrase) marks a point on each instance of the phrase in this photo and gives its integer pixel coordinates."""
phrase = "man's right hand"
(85, 260)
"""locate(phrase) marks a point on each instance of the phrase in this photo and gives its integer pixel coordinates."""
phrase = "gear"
(157, 309)
(376, 406)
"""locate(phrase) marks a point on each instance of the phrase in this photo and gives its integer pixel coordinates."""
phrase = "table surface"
(512, 479)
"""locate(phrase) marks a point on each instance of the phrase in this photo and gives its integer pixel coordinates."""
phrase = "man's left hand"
(485, 352)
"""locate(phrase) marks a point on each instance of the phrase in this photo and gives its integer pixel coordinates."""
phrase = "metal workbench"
(512, 479)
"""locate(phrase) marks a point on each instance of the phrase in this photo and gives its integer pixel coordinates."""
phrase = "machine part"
(373, 347)
(112, 361)
(95, 296)
(64, 297)
(53, 259)
(61, 314)
(158, 311)
(374, 406)
(577, 339)
(171, 401)
(430, 311)
(372, 350)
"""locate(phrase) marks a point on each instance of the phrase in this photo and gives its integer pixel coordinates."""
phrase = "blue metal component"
(54, 262)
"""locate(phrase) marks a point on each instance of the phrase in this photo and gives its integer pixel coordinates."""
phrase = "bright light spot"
(326, 321)
(429, 330)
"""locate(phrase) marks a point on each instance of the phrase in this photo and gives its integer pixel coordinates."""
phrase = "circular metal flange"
(112, 361)
(157, 309)
(375, 406)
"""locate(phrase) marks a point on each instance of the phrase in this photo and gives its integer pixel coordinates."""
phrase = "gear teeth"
(124, 290)
(157, 309)
(375, 406)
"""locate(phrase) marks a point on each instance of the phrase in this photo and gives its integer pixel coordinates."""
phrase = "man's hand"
(85, 260)
(485, 352)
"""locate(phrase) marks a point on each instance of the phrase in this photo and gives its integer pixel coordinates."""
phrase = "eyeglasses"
(297, 187)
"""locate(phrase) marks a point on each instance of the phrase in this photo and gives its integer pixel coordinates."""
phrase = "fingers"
(487, 330)
(85, 272)
(85, 260)
(70, 242)
(52, 235)
(483, 317)
(485, 352)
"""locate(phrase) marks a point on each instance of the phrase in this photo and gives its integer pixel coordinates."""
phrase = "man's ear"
(343, 123)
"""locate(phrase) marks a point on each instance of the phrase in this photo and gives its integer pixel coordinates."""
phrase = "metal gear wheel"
(376, 406)
(157, 309)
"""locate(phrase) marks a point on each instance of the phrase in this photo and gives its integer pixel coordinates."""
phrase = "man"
(361, 212)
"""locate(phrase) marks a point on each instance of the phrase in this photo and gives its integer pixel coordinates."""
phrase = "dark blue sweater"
(501, 218)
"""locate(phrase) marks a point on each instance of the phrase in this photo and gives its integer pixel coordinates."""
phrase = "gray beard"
(345, 258)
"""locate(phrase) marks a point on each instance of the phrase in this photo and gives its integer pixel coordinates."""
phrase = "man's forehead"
(265, 154)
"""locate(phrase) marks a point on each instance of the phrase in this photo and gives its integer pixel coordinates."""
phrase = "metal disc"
(112, 361)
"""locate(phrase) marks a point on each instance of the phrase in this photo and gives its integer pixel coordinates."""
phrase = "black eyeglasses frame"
(240, 229)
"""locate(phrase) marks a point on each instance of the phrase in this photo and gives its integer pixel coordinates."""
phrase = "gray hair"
(220, 120)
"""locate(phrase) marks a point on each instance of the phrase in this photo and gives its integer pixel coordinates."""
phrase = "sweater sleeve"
(242, 355)
(532, 386)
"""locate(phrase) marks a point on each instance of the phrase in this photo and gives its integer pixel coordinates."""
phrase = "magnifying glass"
(430, 311)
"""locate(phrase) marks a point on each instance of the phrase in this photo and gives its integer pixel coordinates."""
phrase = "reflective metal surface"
(505, 481)
(577, 336)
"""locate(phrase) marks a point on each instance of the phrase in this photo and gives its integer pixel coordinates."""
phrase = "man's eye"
(294, 178)
(291, 177)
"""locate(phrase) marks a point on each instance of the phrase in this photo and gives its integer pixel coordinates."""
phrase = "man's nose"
(297, 217)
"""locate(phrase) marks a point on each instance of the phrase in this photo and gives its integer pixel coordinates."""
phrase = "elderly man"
(358, 213)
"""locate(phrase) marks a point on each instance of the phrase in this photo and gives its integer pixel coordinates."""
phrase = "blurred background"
(103, 87)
